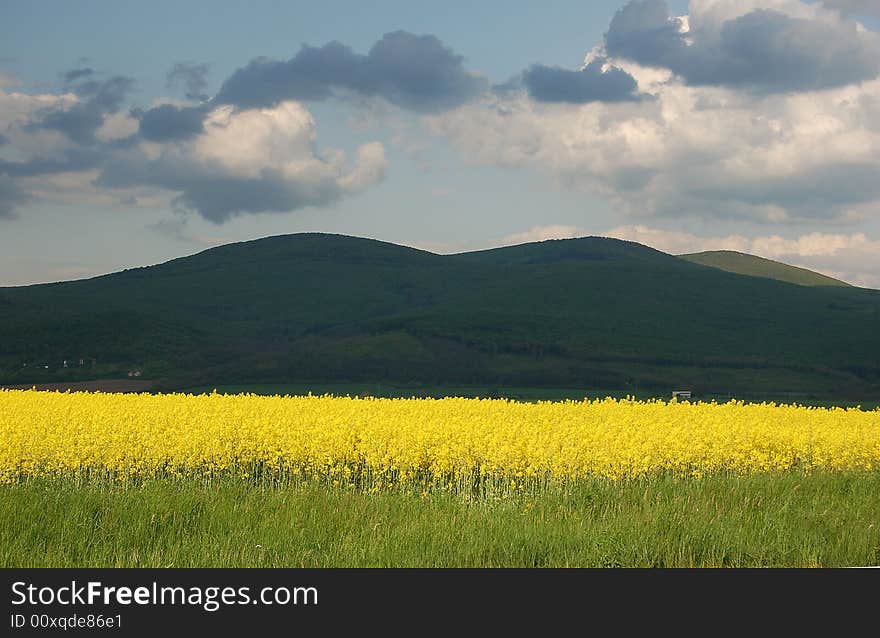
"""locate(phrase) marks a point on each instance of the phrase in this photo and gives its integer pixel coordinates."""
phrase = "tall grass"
(773, 520)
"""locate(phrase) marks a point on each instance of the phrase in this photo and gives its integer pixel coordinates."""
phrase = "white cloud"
(16, 109)
(283, 140)
(117, 126)
(369, 168)
(248, 142)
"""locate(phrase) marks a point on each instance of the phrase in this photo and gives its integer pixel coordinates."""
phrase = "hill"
(744, 264)
(593, 312)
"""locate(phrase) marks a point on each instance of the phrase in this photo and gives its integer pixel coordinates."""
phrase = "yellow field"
(446, 443)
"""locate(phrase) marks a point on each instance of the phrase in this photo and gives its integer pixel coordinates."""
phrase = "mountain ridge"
(586, 312)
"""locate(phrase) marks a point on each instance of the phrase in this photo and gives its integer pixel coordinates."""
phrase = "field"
(244, 480)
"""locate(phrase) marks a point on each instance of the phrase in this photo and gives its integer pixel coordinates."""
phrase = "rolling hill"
(590, 312)
(743, 264)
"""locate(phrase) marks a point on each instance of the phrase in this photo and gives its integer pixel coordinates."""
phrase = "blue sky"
(740, 124)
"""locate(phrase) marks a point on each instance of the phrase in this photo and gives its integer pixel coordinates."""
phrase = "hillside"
(590, 312)
(744, 264)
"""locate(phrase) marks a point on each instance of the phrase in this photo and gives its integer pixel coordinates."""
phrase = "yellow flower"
(468, 446)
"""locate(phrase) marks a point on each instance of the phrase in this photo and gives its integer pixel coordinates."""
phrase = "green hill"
(744, 264)
(594, 313)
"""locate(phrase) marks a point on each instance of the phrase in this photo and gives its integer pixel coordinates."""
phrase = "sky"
(132, 133)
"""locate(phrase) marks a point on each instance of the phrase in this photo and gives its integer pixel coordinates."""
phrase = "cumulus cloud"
(192, 77)
(415, 72)
(765, 50)
(595, 82)
(80, 119)
(247, 161)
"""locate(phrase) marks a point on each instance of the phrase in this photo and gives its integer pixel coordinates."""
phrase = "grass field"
(786, 520)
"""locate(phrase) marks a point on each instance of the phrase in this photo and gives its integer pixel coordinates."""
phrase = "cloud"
(77, 74)
(854, 7)
(11, 195)
(416, 72)
(168, 122)
(218, 161)
(594, 83)
(96, 99)
(17, 109)
(32, 155)
(71, 160)
(764, 50)
(700, 151)
(192, 77)
(248, 161)
(413, 72)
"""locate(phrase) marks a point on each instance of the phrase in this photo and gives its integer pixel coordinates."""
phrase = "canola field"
(468, 446)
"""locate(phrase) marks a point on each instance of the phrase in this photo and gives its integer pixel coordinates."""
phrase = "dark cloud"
(192, 78)
(98, 98)
(80, 159)
(215, 195)
(168, 122)
(590, 84)
(77, 74)
(816, 192)
(764, 51)
(3, 139)
(108, 95)
(219, 198)
(411, 71)
(11, 195)
(644, 31)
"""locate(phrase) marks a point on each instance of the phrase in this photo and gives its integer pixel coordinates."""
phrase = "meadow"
(92, 479)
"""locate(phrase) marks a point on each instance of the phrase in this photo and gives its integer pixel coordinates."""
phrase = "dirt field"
(102, 385)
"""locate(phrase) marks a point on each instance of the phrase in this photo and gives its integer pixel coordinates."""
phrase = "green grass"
(823, 520)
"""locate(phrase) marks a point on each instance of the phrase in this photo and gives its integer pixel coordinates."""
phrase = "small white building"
(681, 394)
